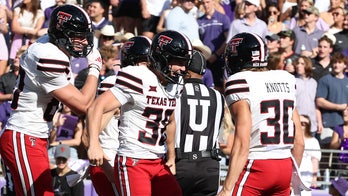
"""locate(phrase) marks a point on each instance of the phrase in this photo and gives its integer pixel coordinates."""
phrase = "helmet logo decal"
(255, 55)
(128, 44)
(164, 40)
(62, 17)
(234, 43)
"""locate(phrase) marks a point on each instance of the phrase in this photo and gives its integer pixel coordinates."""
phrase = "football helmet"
(134, 50)
(68, 22)
(167, 46)
(245, 50)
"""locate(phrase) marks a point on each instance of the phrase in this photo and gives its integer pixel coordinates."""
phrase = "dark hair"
(327, 39)
(339, 57)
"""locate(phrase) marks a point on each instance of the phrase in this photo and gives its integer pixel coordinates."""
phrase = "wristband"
(93, 71)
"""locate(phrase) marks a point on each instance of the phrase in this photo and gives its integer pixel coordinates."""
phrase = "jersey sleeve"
(127, 85)
(237, 88)
(52, 66)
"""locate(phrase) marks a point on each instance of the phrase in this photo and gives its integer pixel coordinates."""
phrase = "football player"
(146, 95)
(135, 51)
(45, 80)
(268, 131)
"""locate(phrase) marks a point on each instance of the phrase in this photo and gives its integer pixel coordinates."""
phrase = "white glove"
(94, 62)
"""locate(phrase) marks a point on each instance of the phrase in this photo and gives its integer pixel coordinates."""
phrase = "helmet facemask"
(72, 42)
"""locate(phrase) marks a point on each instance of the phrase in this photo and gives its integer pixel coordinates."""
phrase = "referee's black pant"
(198, 177)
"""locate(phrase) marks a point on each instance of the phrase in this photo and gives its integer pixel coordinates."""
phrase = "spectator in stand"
(67, 129)
(288, 10)
(287, 41)
(161, 23)
(3, 45)
(339, 140)
(299, 18)
(273, 43)
(338, 18)
(151, 11)
(127, 16)
(250, 22)
(96, 11)
(306, 88)
(107, 36)
(327, 16)
(213, 29)
(180, 19)
(47, 12)
(27, 21)
(273, 23)
(322, 62)
(307, 36)
(341, 44)
(309, 167)
(332, 97)
(60, 173)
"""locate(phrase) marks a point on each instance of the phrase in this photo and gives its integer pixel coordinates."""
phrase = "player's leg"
(101, 183)
(27, 159)
(164, 183)
(265, 177)
(132, 177)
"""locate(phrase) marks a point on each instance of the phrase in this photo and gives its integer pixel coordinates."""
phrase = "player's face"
(79, 41)
(177, 66)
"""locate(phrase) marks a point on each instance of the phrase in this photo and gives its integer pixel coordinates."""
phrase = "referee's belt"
(192, 156)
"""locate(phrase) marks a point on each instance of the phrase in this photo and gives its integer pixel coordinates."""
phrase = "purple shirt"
(310, 41)
(212, 31)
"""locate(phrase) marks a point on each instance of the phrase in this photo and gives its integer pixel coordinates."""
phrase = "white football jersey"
(43, 69)
(108, 138)
(145, 111)
(271, 96)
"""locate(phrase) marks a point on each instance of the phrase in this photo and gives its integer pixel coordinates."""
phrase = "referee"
(198, 115)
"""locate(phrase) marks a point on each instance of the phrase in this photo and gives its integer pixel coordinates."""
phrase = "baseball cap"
(287, 33)
(62, 150)
(205, 50)
(312, 10)
(198, 63)
(341, 185)
(273, 37)
(254, 2)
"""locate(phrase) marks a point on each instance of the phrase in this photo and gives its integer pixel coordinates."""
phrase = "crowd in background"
(304, 37)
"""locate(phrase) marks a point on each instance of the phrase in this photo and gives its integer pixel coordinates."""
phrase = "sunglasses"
(272, 12)
(336, 14)
(304, 123)
(108, 37)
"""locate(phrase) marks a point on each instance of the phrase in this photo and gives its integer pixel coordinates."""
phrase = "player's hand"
(94, 59)
(96, 155)
(172, 167)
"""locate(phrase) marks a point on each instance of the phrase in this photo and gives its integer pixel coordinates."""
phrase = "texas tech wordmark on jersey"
(198, 117)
